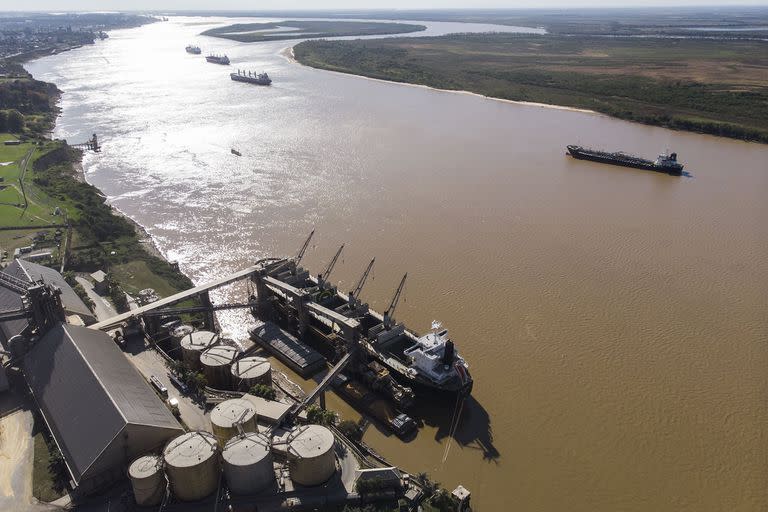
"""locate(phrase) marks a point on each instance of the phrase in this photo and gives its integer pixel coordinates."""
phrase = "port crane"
(355, 294)
(322, 278)
(303, 249)
(393, 305)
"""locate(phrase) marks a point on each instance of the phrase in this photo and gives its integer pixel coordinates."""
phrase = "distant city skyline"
(282, 5)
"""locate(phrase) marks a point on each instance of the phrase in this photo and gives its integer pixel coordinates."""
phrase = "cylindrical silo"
(311, 457)
(249, 371)
(248, 464)
(228, 413)
(193, 344)
(215, 363)
(178, 333)
(192, 465)
(147, 480)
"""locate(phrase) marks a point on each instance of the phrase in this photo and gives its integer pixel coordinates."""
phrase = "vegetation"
(49, 473)
(350, 429)
(195, 381)
(69, 277)
(251, 32)
(715, 87)
(263, 391)
(319, 416)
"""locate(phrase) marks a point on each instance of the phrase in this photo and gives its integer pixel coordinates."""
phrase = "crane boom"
(329, 268)
(304, 248)
(361, 282)
(393, 305)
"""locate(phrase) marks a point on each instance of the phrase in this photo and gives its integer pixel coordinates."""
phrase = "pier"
(92, 144)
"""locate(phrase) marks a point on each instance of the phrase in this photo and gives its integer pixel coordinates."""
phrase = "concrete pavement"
(102, 308)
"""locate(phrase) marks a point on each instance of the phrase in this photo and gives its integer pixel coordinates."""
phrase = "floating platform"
(300, 358)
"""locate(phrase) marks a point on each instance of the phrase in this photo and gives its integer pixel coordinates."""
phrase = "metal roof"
(10, 301)
(90, 394)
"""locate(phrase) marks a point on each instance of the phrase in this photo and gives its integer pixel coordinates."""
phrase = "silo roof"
(310, 441)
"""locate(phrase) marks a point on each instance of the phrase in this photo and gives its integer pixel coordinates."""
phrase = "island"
(714, 86)
(293, 29)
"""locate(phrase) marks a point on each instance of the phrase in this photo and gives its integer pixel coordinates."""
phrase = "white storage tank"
(215, 363)
(248, 464)
(192, 465)
(193, 344)
(178, 333)
(147, 480)
(229, 412)
(249, 371)
(311, 456)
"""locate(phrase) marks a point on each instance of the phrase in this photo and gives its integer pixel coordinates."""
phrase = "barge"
(664, 163)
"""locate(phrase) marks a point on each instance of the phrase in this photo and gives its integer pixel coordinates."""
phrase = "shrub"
(263, 391)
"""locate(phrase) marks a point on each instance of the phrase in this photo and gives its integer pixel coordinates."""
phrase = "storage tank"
(215, 363)
(147, 480)
(248, 463)
(192, 465)
(249, 371)
(193, 344)
(229, 412)
(178, 333)
(311, 457)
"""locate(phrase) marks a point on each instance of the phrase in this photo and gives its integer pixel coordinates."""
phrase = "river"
(614, 319)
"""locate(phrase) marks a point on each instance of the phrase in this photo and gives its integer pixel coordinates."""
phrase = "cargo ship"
(218, 59)
(315, 309)
(664, 163)
(193, 49)
(251, 78)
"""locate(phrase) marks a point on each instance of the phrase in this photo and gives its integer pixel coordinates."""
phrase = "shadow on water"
(474, 424)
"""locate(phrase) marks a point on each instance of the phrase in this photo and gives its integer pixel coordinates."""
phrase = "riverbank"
(716, 87)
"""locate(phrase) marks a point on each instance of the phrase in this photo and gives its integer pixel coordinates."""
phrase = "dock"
(296, 355)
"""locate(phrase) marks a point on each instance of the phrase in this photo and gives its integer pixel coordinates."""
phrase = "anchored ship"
(664, 163)
(218, 59)
(317, 310)
(193, 49)
(251, 78)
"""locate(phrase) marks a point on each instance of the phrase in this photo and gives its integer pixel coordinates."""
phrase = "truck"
(159, 386)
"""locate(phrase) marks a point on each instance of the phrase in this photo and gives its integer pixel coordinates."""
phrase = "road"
(149, 362)
(102, 308)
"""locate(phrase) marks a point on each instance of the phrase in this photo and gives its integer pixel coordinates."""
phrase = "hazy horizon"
(307, 5)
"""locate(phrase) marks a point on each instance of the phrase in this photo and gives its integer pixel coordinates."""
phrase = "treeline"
(27, 96)
(11, 121)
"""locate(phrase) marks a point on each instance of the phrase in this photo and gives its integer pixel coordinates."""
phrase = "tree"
(15, 121)
(350, 429)
(3, 121)
(320, 416)
(263, 391)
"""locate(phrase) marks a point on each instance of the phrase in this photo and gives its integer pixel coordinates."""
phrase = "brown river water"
(614, 319)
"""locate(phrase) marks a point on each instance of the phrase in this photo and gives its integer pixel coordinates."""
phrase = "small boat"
(236, 152)
(195, 50)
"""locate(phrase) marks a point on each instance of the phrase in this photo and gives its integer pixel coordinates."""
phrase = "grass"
(249, 32)
(135, 276)
(717, 87)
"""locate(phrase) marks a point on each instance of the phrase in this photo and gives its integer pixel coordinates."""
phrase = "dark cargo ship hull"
(622, 160)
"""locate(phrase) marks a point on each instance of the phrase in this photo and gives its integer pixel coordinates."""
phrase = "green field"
(33, 207)
(718, 87)
(252, 32)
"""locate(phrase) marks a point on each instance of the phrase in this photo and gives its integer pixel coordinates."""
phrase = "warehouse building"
(100, 410)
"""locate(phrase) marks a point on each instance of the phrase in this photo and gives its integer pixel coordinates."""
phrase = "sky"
(100, 5)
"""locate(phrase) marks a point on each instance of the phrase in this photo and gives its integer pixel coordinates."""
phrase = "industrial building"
(99, 409)
(29, 273)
